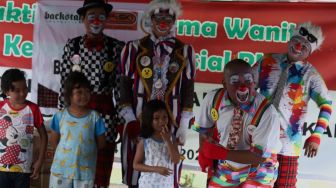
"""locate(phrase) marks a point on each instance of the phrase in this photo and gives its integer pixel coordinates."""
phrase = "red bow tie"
(94, 43)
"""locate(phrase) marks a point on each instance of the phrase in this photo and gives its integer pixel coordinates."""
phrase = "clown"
(289, 81)
(97, 57)
(158, 66)
(239, 131)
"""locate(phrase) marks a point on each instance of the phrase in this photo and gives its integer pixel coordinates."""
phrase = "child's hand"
(36, 169)
(165, 134)
(164, 171)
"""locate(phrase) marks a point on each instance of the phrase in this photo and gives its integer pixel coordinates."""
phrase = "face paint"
(298, 46)
(234, 79)
(162, 24)
(96, 23)
(248, 77)
(298, 49)
(241, 88)
(163, 18)
(242, 94)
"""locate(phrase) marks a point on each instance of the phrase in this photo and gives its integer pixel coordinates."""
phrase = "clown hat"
(93, 4)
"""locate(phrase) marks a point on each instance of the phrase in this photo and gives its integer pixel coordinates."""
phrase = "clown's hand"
(132, 125)
(311, 147)
(184, 125)
(214, 151)
(204, 162)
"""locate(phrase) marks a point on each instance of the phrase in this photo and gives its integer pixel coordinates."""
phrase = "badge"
(76, 60)
(146, 73)
(250, 129)
(214, 114)
(173, 67)
(158, 84)
(109, 66)
(145, 61)
(75, 68)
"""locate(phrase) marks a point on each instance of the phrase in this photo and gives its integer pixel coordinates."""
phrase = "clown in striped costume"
(301, 83)
(158, 66)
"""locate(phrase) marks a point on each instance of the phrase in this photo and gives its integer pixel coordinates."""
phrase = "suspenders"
(215, 115)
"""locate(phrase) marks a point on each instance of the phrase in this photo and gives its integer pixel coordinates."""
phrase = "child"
(77, 132)
(18, 117)
(157, 151)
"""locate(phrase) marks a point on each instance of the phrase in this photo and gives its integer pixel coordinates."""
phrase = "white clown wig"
(172, 5)
(312, 29)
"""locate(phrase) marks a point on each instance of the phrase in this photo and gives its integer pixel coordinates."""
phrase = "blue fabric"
(76, 153)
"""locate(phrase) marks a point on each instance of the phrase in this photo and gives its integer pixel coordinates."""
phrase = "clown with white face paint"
(289, 81)
(240, 86)
(240, 130)
(157, 66)
(95, 18)
(97, 56)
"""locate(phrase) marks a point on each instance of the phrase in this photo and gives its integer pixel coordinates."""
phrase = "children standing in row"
(157, 151)
(77, 132)
(18, 117)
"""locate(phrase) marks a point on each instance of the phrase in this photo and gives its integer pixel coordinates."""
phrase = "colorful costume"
(302, 83)
(155, 68)
(260, 136)
(16, 136)
(139, 74)
(100, 68)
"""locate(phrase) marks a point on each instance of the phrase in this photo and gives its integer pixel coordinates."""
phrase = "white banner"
(57, 21)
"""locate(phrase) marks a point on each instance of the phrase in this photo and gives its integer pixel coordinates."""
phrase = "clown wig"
(314, 30)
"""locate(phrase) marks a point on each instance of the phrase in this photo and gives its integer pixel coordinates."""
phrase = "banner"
(16, 44)
(218, 31)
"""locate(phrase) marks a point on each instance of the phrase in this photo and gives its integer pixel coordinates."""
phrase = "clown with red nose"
(239, 132)
(289, 81)
(165, 70)
(240, 87)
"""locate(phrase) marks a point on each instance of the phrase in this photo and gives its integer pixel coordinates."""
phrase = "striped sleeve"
(322, 122)
(319, 93)
(128, 58)
(189, 54)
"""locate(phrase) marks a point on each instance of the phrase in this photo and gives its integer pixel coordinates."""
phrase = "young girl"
(157, 151)
(77, 132)
(18, 117)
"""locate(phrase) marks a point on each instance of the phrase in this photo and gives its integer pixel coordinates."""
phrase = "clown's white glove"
(128, 114)
(181, 133)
